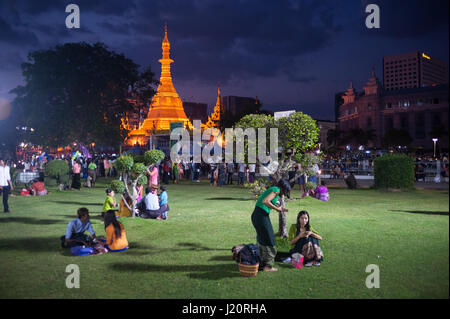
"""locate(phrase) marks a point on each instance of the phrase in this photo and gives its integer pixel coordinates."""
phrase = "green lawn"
(189, 255)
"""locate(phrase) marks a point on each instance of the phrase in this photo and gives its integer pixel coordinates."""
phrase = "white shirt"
(151, 201)
(4, 176)
(251, 168)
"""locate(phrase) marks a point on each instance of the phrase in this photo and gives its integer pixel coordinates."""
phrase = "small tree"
(298, 135)
(133, 174)
(58, 170)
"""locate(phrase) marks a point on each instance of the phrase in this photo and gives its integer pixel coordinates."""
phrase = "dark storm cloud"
(101, 7)
(406, 18)
(16, 35)
(212, 39)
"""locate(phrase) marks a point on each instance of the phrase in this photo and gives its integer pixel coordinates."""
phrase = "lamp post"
(434, 151)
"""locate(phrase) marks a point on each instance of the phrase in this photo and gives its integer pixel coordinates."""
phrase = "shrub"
(50, 181)
(309, 186)
(118, 186)
(124, 163)
(153, 156)
(394, 170)
(57, 169)
(258, 187)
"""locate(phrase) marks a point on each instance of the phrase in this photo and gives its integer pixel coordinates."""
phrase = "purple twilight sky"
(292, 54)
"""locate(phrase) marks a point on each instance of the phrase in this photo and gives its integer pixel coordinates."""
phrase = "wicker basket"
(248, 270)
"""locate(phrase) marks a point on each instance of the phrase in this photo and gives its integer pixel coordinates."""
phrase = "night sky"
(291, 54)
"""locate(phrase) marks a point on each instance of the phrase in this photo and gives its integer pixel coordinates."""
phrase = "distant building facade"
(412, 70)
(324, 126)
(417, 110)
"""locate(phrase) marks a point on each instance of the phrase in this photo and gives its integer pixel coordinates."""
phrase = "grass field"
(189, 256)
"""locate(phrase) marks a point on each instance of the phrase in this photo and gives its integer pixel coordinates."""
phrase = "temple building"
(214, 118)
(165, 108)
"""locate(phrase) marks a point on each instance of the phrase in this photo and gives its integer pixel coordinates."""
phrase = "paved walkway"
(367, 183)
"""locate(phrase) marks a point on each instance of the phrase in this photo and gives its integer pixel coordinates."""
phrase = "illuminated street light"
(434, 152)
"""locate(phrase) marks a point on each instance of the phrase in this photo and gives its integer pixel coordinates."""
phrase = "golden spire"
(214, 118)
(166, 105)
(219, 100)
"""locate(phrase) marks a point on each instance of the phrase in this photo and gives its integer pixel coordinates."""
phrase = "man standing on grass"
(5, 184)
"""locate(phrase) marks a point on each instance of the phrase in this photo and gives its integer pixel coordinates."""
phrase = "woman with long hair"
(306, 241)
(261, 221)
(116, 239)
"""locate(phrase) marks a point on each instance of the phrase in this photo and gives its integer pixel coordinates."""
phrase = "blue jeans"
(241, 178)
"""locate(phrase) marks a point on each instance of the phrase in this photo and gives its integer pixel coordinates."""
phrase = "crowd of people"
(338, 166)
(152, 201)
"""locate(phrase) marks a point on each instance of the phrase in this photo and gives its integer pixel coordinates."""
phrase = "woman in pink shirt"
(107, 166)
(76, 180)
(153, 177)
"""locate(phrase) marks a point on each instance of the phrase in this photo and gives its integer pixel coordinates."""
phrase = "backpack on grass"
(248, 255)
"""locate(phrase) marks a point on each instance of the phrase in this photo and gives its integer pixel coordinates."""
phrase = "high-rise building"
(196, 111)
(412, 70)
(237, 104)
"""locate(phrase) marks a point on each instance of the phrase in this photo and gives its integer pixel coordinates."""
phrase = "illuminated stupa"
(166, 106)
(214, 118)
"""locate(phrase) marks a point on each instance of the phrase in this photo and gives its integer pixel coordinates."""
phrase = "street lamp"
(434, 152)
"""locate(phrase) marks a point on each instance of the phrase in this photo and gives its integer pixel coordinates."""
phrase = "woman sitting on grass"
(305, 240)
(116, 239)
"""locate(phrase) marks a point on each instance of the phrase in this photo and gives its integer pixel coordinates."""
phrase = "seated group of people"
(116, 238)
(154, 206)
(150, 206)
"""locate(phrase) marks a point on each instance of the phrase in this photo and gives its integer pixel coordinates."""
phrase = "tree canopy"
(79, 92)
(298, 136)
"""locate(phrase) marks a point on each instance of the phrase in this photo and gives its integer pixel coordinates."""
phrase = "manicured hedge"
(394, 171)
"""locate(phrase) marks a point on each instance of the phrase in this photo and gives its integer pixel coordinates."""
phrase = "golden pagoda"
(214, 118)
(166, 106)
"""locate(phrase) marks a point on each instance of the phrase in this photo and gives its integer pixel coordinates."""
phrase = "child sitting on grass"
(110, 202)
(163, 203)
